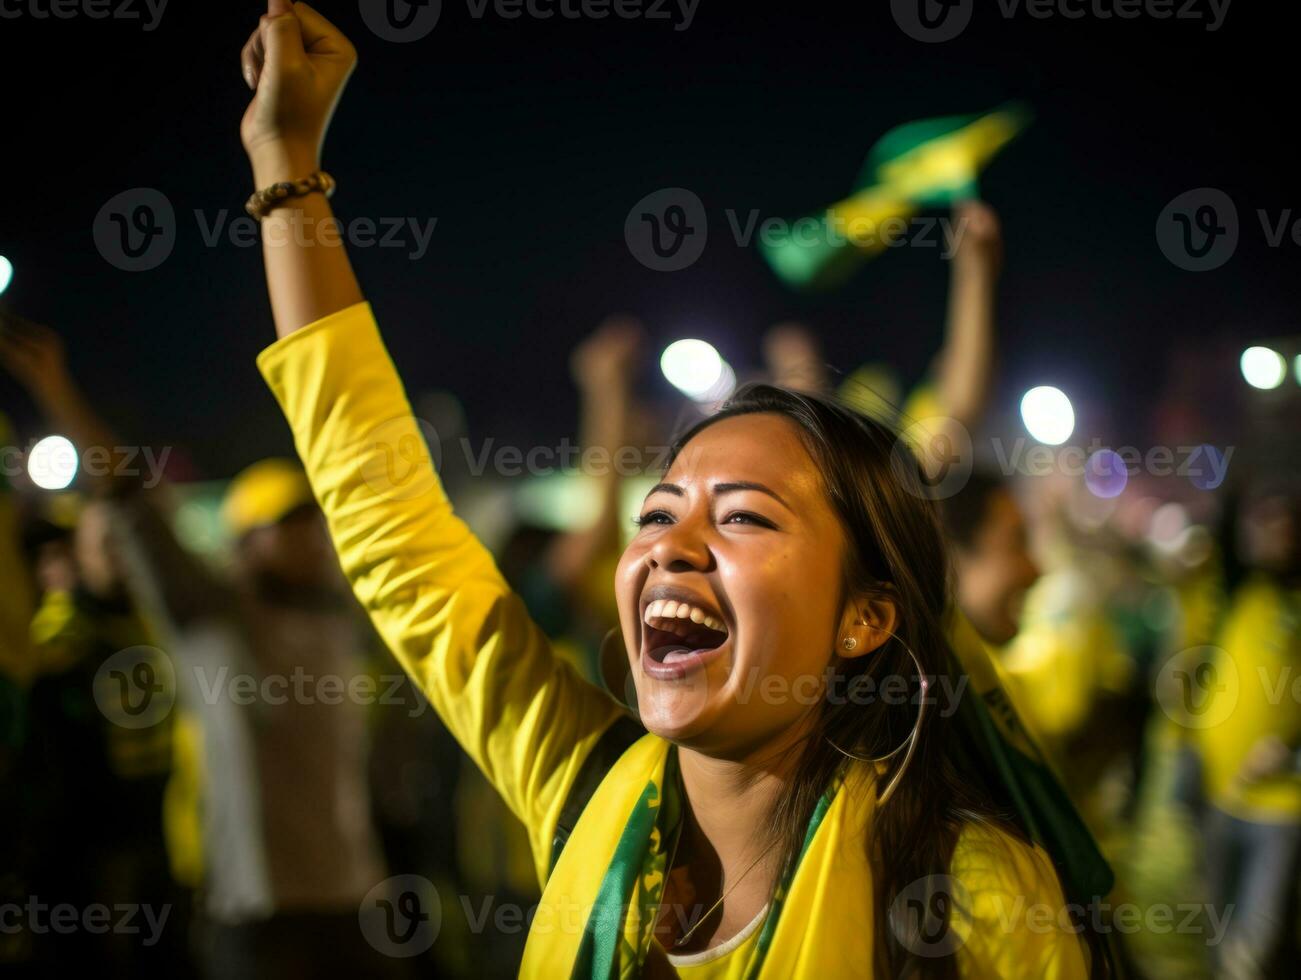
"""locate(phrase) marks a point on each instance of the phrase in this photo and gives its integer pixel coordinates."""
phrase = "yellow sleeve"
(1010, 913)
(430, 587)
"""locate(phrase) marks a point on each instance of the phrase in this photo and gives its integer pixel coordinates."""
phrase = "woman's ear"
(868, 621)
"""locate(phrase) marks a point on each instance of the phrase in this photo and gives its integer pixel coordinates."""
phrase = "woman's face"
(730, 592)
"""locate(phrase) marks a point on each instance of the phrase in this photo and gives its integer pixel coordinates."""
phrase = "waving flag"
(929, 163)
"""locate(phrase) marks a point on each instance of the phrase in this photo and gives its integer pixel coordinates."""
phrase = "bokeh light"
(1169, 528)
(52, 463)
(1048, 415)
(694, 367)
(1263, 367)
(6, 273)
(1105, 474)
(720, 389)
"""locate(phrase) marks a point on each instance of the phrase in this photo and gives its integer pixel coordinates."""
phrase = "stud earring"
(849, 643)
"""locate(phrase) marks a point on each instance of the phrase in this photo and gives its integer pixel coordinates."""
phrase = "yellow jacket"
(528, 720)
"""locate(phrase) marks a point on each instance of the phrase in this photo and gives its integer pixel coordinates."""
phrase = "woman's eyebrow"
(672, 488)
(735, 485)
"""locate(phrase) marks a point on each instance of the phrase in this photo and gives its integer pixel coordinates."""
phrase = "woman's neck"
(731, 799)
(726, 843)
(729, 804)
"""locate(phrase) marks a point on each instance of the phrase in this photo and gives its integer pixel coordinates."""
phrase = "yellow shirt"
(1065, 654)
(1246, 694)
(528, 720)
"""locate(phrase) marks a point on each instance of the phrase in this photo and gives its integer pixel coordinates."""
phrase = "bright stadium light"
(720, 389)
(1263, 367)
(693, 367)
(1047, 414)
(52, 463)
(6, 273)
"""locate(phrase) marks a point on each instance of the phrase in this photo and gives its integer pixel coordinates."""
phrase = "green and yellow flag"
(923, 164)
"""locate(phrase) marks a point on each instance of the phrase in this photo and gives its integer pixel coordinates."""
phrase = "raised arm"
(174, 586)
(33, 353)
(966, 363)
(603, 367)
(431, 589)
(297, 64)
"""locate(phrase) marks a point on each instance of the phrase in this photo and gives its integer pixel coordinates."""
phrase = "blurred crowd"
(210, 764)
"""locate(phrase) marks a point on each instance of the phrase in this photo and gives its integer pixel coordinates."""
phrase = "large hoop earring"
(909, 745)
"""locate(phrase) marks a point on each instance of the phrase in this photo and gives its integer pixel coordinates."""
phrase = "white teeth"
(670, 609)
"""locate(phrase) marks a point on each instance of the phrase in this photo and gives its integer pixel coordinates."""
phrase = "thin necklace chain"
(686, 936)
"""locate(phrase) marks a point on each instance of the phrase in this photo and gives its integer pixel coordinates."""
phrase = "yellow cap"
(264, 494)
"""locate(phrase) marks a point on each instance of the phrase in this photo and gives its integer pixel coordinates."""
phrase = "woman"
(781, 569)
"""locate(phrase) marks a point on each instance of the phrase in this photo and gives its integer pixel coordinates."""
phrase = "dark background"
(530, 140)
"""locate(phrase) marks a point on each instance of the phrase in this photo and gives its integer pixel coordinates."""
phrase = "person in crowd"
(289, 847)
(991, 555)
(739, 835)
(92, 782)
(1242, 705)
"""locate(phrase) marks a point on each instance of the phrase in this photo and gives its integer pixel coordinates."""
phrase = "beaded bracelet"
(263, 201)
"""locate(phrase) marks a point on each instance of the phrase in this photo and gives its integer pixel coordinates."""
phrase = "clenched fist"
(297, 64)
(980, 236)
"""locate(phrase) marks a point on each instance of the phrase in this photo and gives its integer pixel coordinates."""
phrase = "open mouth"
(678, 637)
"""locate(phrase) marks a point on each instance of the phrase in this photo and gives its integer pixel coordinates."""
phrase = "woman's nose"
(681, 547)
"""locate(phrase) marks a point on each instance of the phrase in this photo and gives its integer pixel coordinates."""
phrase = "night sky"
(529, 140)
